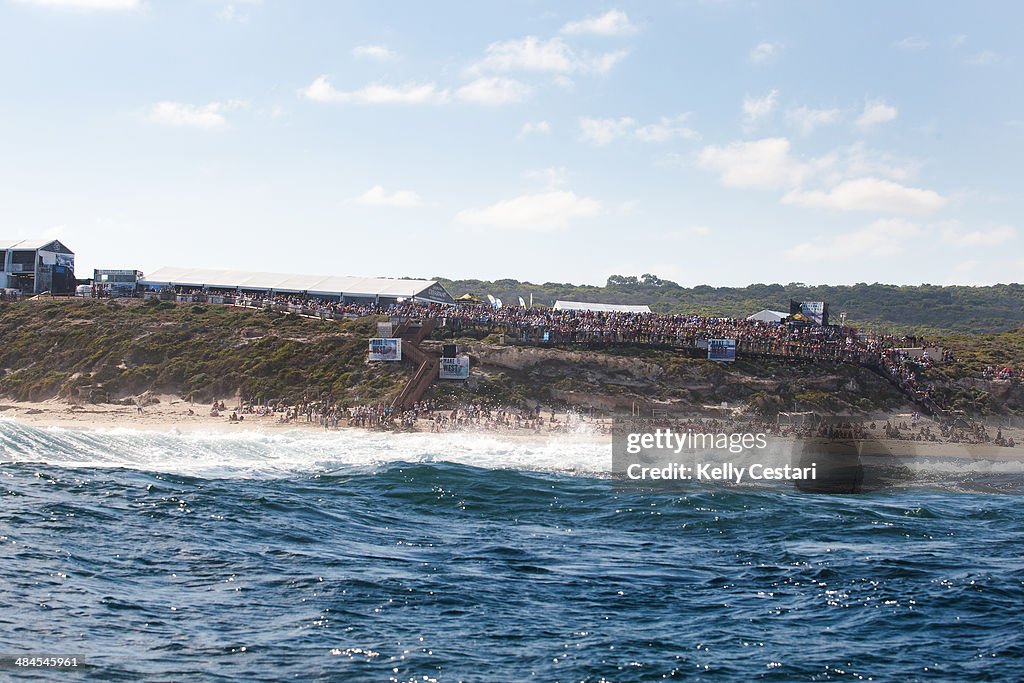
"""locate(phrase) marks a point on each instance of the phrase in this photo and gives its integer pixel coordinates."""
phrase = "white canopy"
(768, 316)
(324, 285)
(29, 245)
(606, 308)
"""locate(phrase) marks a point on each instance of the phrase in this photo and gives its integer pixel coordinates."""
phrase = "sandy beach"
(172, 413)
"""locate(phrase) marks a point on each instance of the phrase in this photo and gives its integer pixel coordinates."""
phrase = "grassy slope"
(51, 347)
(998, 350)
(683, 383)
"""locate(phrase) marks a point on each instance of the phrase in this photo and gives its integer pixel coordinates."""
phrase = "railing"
(789, 349)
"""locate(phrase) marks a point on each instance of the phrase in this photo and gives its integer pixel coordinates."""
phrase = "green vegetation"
(54, 347)
(976, 352)
(77, 348)
(930, 309)
(619, 379)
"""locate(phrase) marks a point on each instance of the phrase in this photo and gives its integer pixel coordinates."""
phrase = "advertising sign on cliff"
(455, 368)
(385, 349)
(722, 350)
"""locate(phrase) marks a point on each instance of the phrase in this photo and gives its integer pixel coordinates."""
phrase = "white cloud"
(859, 162)
(198, 116)
(552, 177)
(529, 54)
(850, 179)
(978, 238)
(611, 23)
(321, 90)
(958, 40)
(238, 10)
(875, 112)
(494, 91)
(762, 164)
(983, 58)
(765, 53)
(565, 83)
(604, 131)
(602, 64)
(755, 108)
(551, 56)
(551, 210)
(530, 127)
(911, 44)
(381, 53)
(887, 237)
(87, 5)
(376, 196)
(667, 128)
(869, 194)
(807, 119)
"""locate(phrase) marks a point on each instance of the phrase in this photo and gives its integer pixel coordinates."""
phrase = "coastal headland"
(161, 365)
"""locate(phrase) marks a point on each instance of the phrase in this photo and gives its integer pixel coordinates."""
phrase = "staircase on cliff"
(412, 333)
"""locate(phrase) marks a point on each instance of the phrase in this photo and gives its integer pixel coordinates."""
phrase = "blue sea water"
(356, 556)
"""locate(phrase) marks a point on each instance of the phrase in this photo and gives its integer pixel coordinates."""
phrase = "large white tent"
(606, 308)
(768, 316)
(285, 283)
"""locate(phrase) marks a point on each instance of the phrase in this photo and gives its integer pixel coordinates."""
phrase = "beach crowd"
(421, 416)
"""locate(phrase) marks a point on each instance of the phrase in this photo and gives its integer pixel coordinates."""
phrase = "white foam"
(254, 453)
(282, 453)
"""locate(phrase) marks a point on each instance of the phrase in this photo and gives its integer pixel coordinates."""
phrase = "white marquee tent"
(284, 283)
(606, 308)
(768, 316)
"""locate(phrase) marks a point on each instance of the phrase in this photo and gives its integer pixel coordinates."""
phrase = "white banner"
(723, 350)
(455, 368)
(385, 349)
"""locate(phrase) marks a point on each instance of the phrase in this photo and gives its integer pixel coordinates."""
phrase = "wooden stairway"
(412, 333)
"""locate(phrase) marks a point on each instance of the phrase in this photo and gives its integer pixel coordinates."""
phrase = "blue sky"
(708, 142)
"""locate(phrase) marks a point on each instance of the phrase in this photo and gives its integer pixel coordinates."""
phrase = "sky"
(721, 142)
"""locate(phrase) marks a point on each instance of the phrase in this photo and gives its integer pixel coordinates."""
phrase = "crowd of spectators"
(1000, 373)
(422, 416)
(538, 326)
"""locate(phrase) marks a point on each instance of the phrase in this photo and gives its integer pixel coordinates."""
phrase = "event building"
(115, 283)
(34, 266)
(342, 288)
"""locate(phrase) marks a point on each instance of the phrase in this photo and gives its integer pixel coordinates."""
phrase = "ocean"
(352, 556)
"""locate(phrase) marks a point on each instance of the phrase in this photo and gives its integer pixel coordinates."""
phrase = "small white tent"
(768, 316)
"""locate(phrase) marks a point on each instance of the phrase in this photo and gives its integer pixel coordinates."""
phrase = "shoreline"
(171, 415)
